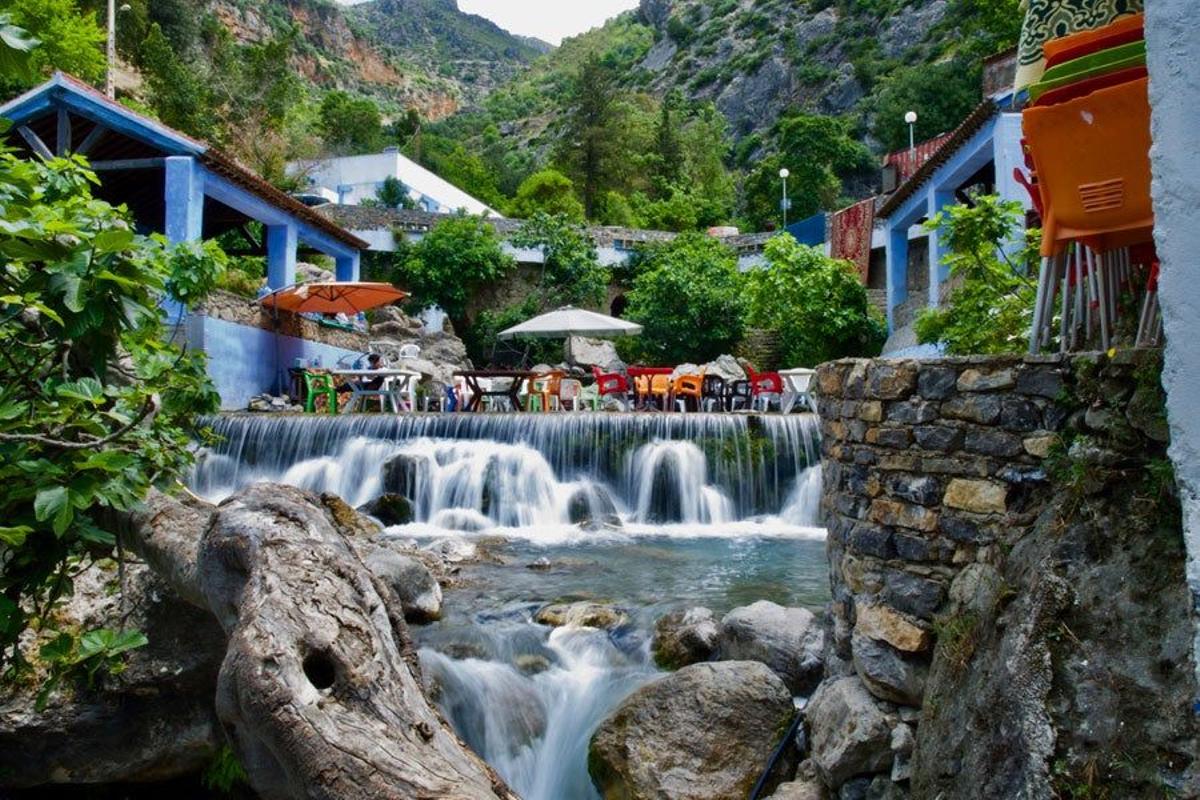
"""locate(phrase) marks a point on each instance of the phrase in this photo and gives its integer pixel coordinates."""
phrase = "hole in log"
(319, 669)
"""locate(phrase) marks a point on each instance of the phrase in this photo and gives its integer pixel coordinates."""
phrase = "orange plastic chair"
(1092, 157)
(689, 388)
(544, 388)
(660, 390)
(1118, 32)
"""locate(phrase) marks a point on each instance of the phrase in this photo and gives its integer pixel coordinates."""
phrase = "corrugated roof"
(957, 138)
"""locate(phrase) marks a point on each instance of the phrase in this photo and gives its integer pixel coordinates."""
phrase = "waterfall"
(533, 472)
(649, 512)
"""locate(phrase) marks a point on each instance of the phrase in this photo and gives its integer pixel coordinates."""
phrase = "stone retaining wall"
(938, 472)
(234, 308)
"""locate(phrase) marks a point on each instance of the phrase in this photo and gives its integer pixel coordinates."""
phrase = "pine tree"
(590, 140)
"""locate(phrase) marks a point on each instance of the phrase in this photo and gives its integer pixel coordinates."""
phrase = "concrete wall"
(1173, 51)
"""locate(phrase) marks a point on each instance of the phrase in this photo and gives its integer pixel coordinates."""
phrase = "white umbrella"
(570, 321)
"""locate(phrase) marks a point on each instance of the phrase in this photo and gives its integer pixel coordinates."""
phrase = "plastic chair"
(764, 385)
(612, 383)
(1090, 66)
(316, 385)
(660, 391)
(1118, 32)
(544, 390)
(641, 390)
(688, 390)
(590, 397)
(569, 391)
(408, 351)
(713, 393)
(738, 394)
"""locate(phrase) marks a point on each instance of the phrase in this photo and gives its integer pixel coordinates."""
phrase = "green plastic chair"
(315, 385)
(590, 397)
(1090, 66)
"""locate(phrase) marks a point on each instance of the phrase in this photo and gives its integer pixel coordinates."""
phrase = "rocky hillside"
(422, 54)
(466, 49)
(756, 59)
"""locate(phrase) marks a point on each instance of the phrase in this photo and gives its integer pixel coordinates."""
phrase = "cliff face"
(1006, 556)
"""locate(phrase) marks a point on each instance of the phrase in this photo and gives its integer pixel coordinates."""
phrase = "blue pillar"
(184, 199)
(897, 269)
(281, 256)
(938, 272)
(348, 267)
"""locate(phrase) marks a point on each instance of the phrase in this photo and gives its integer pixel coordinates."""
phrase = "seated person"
(374, 361)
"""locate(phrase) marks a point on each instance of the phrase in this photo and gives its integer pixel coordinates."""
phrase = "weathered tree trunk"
(318, 692)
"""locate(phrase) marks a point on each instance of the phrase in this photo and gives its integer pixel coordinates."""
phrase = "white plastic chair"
(409, 351)
(569, 391)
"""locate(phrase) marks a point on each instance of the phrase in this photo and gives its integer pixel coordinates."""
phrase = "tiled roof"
(969, 127)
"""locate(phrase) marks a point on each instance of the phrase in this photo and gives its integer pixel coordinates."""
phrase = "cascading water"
(649, 512)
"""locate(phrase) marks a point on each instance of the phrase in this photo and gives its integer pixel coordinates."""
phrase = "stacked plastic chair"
(1087, 139)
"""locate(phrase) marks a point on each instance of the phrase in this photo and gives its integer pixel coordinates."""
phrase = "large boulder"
(790, 641)
(805, 786)
(415, 586)
(727, 367)
(685, 637)
(581, 351)
(592, 506)
(702, 733)
(154, 721)
(389, 509)
(849, 733)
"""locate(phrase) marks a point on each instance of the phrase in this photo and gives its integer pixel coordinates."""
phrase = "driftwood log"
(319, 691)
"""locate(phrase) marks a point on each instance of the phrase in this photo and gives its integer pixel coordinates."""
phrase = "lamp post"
(783, 203)
(110, 88)
(911, 119)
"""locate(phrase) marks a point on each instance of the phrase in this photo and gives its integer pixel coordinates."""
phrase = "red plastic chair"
(763, 384)
(611, 383)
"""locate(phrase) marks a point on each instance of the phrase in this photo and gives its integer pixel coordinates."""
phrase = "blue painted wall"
(245, 361)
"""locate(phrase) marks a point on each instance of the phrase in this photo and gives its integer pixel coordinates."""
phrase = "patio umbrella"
(347, 297)
(571, 321)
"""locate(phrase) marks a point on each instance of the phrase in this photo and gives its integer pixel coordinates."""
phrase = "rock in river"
(685, 637)
(418, 591)
(702, 733)
(583, 614)
(788, 640)
(389, 509)
(850, 735)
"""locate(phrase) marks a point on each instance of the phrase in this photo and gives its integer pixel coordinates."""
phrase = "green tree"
(180, 97)
(392, 193)
(668, 161)
(96, 404)
(68, 39)
(590, 140)
(457, 258)
(453, 162)
(818, 151)
(16, 46)
(993, 271)
(688, 298)
(350, 125)
(942, 95)
(571, 271)
(818, 305)
(547, 191)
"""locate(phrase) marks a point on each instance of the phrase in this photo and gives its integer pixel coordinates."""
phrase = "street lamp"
(911, 119)
(783, 203)
(110, 88)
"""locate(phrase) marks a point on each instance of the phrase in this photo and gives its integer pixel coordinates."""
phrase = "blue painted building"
(982, 152)
(186, 190)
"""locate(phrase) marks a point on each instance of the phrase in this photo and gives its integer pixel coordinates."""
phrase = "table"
(513, 392)
(399, 386)
(795, 387)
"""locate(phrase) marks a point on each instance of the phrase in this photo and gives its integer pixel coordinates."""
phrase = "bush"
(688, 298)
(990, 308)
(818, 305)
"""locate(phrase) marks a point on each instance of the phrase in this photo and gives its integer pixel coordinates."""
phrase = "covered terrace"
(172, 183)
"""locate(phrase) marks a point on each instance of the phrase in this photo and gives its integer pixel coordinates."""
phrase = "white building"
(352, 179)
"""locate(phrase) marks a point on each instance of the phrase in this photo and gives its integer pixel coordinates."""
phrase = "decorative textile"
(1052, 19)
(850, 235)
